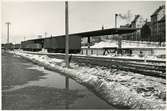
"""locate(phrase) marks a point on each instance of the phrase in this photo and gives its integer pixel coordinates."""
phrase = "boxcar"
(8, 46)
(31, 45)
(57, 44)
(17, 46)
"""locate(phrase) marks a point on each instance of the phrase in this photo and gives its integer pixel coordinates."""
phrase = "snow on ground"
(104, 44)
(148, 87)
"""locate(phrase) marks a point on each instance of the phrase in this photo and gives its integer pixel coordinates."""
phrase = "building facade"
(146, 32)
(138, 22)
(158, 24)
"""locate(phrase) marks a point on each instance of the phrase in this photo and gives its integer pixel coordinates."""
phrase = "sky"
(29, 19)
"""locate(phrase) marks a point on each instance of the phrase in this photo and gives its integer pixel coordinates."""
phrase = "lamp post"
(67, 36)
(8, 24)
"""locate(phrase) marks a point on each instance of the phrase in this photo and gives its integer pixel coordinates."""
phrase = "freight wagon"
(57, 44)
(53, 44)
(32, 45)
(17, 46)
(8, 46)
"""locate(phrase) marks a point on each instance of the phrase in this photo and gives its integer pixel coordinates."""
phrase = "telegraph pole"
(67, 35)
(8, 24)
(67, 44)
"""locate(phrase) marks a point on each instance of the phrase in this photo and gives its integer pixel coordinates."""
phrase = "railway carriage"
(8, 46)
(53, 44)
(31, 45)
(17, 46)
(57, 44)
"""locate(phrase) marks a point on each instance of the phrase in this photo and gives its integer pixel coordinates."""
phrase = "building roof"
(162, 19)
(135, 19)
(110, 31)
(158, 10)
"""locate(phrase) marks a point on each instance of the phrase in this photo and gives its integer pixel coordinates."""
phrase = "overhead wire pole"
(67, 46)
(8, 23)
(67, 35)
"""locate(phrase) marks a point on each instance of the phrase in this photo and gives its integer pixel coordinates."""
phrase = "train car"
(17, 46)
(2, 46)
(8, 46)
(32, 45)
(57, 44)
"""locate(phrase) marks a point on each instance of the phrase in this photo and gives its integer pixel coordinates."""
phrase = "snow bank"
(111, 91)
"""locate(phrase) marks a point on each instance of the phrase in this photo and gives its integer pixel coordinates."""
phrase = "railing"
(92, 51)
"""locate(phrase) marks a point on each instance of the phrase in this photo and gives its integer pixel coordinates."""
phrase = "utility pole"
(8, 24)
(67, 36)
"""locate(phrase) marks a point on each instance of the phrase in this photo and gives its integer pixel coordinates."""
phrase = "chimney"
(116, 20)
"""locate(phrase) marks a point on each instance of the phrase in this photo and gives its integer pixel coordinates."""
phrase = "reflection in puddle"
(50, 79)
(67, 88)
(35, 97)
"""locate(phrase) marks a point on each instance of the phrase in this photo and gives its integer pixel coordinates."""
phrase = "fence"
(113, 51)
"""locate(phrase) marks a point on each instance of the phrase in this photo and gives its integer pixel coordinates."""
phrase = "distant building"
(126, 36)
(158, 24)
(146, 32)
(138, 22)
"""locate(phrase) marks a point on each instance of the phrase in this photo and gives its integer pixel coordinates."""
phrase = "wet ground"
(28, 86)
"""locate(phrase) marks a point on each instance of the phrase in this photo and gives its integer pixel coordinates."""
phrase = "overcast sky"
(31, 18)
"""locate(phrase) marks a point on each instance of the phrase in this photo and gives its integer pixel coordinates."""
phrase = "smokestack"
(8, 24)
(116, 20)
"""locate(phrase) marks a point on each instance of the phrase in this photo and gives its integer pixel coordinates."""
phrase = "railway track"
(155, 68)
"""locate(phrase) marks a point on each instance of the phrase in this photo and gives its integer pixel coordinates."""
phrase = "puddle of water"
(50, 79)
(57, 81)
